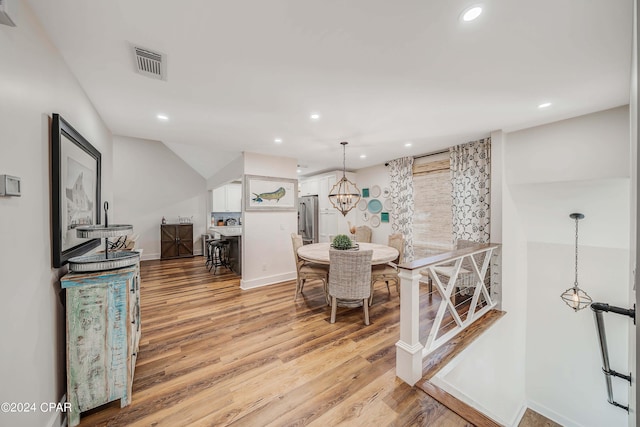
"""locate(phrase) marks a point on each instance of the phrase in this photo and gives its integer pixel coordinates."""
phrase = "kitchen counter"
(234, 235)
(228, 231)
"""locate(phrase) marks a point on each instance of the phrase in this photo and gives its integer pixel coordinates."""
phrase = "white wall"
(266, 236)
(34, 83)
(367, 178)
(151, 181)
(542, 354)
(564, 377)
(544, 203)
(634, 342)
(590, 147)
(491, 374)
(232, 171)
(545, 208)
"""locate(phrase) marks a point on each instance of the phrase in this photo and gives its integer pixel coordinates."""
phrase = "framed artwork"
(264, 193)
(75, 191)
(365, 192)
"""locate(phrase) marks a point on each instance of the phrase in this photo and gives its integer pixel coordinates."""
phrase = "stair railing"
(410, 352)
(599, 308)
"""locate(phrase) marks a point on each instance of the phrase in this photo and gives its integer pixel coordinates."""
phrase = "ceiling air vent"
(149, 63)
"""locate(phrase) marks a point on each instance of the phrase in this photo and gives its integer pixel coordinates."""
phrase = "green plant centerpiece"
(342, 242)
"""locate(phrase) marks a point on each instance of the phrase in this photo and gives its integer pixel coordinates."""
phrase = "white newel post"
(409, 348)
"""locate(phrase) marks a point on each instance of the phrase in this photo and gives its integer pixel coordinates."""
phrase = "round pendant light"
(575, 297)
(344, 195)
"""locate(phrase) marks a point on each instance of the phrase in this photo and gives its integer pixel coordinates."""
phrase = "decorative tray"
(101, 231)
(98, 262)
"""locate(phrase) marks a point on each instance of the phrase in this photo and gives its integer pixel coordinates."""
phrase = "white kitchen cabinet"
(327, 218)
(227, 198)
(327, 225)
(219, 199)
(325, 184)
(330, 220)
(308, 187)
(234, 197)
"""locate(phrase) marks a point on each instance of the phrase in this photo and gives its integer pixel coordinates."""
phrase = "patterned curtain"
(401, 177)
(470, 190)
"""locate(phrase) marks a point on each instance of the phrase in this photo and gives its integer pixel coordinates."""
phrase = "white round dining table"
(319, 252)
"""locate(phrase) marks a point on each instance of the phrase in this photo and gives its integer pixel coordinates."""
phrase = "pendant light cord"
(575, 284)
(344, 158)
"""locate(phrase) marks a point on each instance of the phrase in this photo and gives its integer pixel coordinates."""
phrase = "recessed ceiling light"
(408, 144)
(278, 140)
(363, 156)
(299, 170)
(162, 117)
(544, 105)
(471, 13)
(315, 116)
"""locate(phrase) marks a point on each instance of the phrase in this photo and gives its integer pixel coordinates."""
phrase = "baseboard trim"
(149, 257)
(59, 419)
(551, 414)
(519, 416)
(459, 345)
(471, 413)
(463, 397)
(265, 281)
(523, 409)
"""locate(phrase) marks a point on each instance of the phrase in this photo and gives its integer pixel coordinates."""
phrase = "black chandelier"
(344, 195)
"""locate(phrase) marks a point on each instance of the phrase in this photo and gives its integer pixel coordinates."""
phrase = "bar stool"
(209, 253)
(218, 254)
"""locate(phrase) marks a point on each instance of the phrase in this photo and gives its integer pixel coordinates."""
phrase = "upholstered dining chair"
(306, 270)
(389, 272)
(363, 234)
(350, 279)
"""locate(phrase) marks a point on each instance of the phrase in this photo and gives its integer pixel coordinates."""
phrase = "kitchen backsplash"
(233, 217)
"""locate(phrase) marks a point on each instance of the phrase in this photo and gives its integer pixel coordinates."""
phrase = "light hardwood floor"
(533, 419)
(214, 355)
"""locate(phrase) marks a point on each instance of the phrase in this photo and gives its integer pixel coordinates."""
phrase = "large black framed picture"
(75, 190)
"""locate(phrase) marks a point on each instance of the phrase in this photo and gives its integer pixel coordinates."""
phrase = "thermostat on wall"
(9, 185)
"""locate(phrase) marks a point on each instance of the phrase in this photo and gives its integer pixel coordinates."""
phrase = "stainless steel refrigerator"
(308, 219)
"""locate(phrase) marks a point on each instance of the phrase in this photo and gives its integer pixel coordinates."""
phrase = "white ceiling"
(380, 73)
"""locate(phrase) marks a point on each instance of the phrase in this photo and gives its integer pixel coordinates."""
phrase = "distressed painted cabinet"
(103, 334)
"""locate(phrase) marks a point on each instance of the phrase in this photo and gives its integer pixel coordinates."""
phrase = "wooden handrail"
(447, 256)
